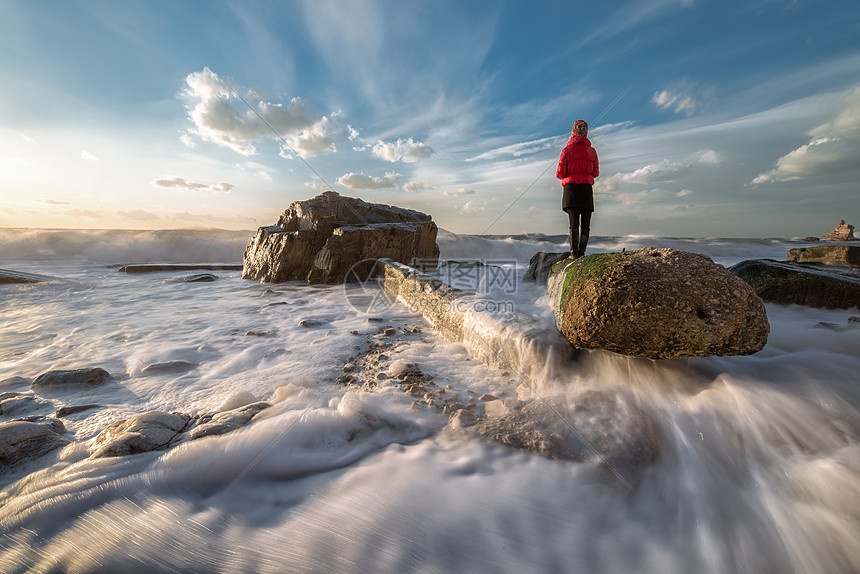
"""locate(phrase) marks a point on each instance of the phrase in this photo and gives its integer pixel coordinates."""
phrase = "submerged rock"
(78, 377)
(20, 403)
(161, 267)
(169, 367)
(320, 240)
(656, 303)
(801, 284)
(843, 232)
(597, 427)
(224, 422)
(23, 440)
(150, 431)
(540, 265)
(829, 254)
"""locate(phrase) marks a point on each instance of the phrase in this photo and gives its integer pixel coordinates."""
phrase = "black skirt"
(578, 196)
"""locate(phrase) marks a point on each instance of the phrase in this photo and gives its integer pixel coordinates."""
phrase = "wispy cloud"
(85, 155)
(458, 192)
(182, 184)
(678, 102)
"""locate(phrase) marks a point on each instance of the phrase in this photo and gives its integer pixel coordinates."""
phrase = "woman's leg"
(573, 218)
(583, 236)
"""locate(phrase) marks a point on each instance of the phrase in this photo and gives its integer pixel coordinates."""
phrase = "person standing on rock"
(577, 168)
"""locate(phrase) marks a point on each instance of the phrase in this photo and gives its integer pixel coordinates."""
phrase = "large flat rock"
(320, 240)
(810, 284)
(829, 254)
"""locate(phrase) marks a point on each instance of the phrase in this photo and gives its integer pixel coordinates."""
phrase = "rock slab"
(807, 284)
(320, 240)
(828, 254)
(657, 304)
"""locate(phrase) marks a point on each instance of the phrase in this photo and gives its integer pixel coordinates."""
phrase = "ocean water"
(758, 468)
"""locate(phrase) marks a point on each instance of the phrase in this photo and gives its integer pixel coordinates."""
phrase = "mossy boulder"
(658, 304)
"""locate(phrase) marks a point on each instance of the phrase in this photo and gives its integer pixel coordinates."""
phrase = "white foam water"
(758, 468)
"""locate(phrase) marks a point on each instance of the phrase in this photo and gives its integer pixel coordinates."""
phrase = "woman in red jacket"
(577, 168)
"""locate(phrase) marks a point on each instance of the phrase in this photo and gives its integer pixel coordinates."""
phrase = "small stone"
(488, 398)
(78, 377)
(348, 368)
(389, 331)
(308, 323)
(462, 418)
(66, 411)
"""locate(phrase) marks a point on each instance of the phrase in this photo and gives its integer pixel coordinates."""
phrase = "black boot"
(574, 243)
(583, 243)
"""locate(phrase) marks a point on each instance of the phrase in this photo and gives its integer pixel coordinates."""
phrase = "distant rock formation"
(843, 232)
(656, 303)
(319, 240)
(795, 283)
(829, 254)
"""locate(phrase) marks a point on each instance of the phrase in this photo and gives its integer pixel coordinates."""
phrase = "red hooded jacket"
(578, 162)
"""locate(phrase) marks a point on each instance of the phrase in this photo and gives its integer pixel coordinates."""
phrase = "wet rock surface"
(657, 304)
(150, 431)
(72, 378)
(807, 284)
(321, 239)
(26, 440)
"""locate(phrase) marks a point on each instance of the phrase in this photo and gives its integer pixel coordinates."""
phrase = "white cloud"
(414, 186)
(456, 192)
(186, 140)
(834, 147)
(88, 156)
(53, 202)
(220, 117)
(472, 206)
(362, 181)
(407, 150)
(182, 184)
(679, 102)
(351, 133)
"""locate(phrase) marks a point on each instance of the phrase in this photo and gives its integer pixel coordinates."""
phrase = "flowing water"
(758, 467)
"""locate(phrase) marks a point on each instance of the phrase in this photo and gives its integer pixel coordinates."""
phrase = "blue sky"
(711, 118)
